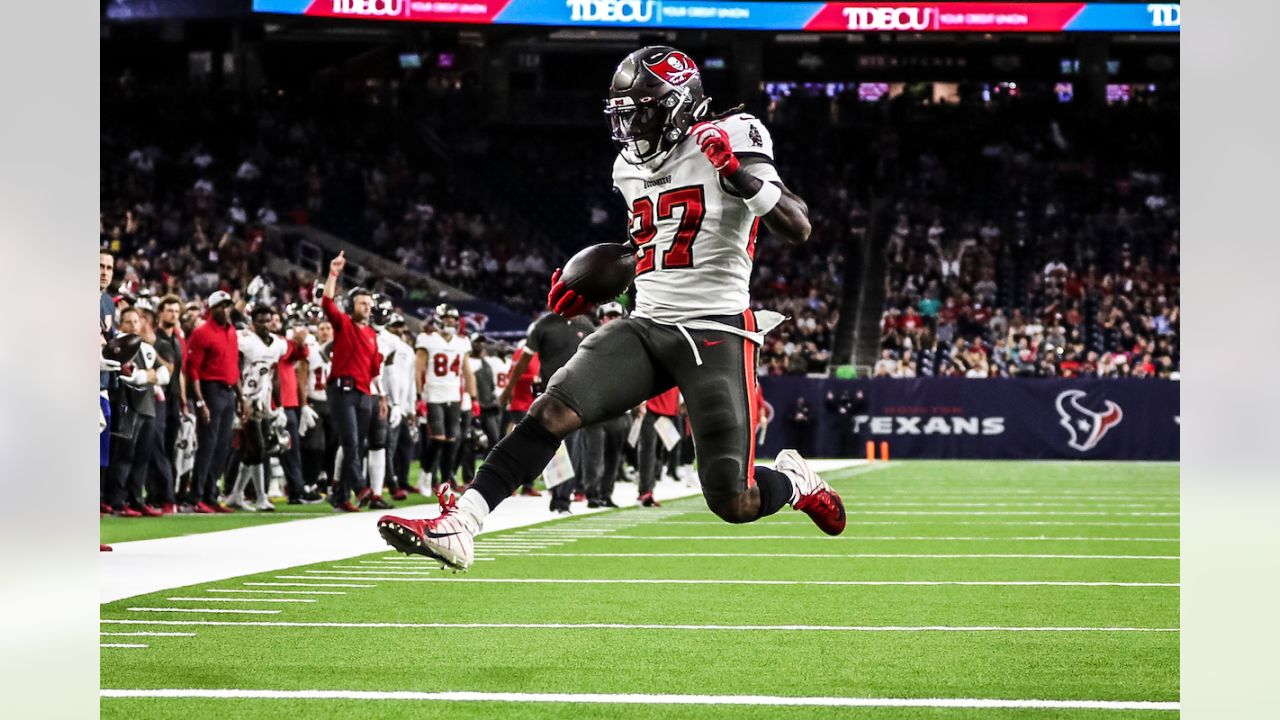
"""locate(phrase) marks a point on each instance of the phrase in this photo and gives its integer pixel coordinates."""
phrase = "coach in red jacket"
(356, 365)
(213, 368)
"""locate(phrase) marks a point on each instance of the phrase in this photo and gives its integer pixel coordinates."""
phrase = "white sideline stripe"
(1011, 513)
(120, 645)
(857, 502)
(268, 600)
(651, 581)
(280, 592)
(1089, 523)
(368, 571)
(1038, 538)
(150, 634)
(886, 493)
(639, 699)
(854, 556)
(647, 626)
(277, 584)
(204, 610)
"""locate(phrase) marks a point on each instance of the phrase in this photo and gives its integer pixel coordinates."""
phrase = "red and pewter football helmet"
(655, 97)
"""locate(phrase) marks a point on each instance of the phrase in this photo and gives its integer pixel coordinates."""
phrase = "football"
(601, 272)
(122, 347)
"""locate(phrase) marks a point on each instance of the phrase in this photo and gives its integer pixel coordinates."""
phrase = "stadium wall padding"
(1013, 419)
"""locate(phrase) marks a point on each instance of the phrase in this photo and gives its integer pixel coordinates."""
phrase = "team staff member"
(555, 339)
(213, 368)
(355, 363)
(517, 396)
(604, 442)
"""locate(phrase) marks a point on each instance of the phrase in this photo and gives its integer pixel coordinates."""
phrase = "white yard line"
(673, 581)
(261, 600)
(121, 645)
(647, 699)
(279, 592)
(1070, 513)
(148, 566)
(313, 585)
(205, 610)
(913, 538)
(860, 503)
(652, 626)
(338, 569)
(149, 634)
(851, 556)
(863, 523)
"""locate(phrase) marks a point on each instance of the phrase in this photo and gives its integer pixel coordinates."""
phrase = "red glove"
(563, 301)
(475, 408)
(421, 408)
(714, 142)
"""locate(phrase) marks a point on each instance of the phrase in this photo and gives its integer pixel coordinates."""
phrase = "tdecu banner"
(916, 17)
(1022, 419)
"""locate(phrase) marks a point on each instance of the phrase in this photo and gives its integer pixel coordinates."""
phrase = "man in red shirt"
(290, 394)
(356, 363)
(517, 395)
(213, 367)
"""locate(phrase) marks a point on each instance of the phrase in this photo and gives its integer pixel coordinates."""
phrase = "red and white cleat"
(815, 497)
(448, 538)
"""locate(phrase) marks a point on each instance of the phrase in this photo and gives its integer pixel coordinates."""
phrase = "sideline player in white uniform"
(400, 376)
(382, 388)
(697, 186)
(443, 373)
(319, 439)
(260, 353)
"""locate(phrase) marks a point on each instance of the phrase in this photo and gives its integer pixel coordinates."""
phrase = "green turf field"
(1000, 583)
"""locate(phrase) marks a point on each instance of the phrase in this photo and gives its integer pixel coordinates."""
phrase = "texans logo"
(1086, 427)
(477, 321)
(676, 68)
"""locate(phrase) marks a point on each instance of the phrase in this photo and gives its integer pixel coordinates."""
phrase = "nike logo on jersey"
(711, 343)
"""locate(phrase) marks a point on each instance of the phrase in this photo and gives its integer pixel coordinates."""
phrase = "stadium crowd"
(1024, 238)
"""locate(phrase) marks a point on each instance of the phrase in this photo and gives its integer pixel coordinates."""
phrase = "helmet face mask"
(655, 98)
(447, 319)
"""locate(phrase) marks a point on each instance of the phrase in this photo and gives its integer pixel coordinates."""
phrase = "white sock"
(377, 470)
(473, 507)
(260, 483)
(237, 491)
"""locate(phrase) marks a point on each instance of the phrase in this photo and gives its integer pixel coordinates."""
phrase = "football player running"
(697, 186)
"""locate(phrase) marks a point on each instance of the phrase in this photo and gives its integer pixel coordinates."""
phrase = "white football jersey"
(694, 238)
(499, 368)
(386, 348)
(318, 366)
(444, 366)
(399, 376)
(258, 362)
